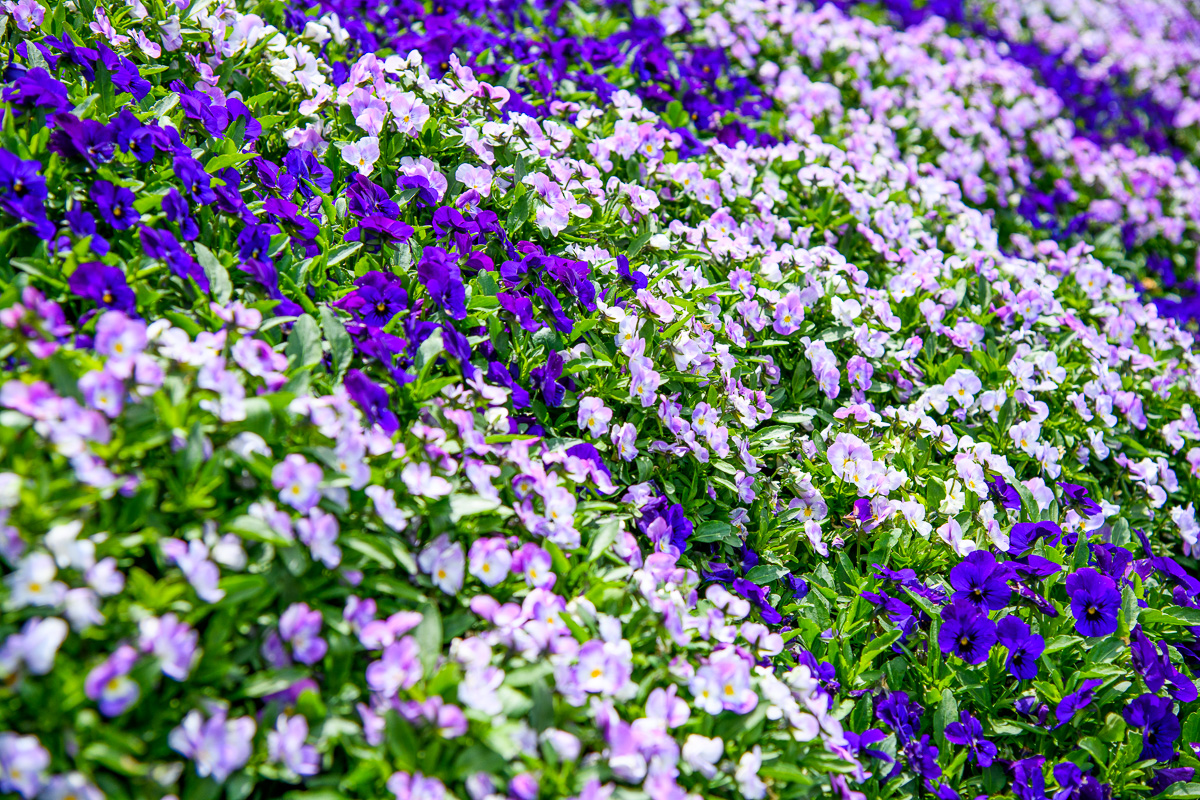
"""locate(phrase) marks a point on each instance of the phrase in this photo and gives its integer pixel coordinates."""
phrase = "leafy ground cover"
(511, 400)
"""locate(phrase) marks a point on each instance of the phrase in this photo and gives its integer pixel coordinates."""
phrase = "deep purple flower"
(969, 733)
(1024, 647)
(1095, 602)
(273, 179)
(499, 374)
(197, 184)
(897, 610)
(902, 715)
(759, 596)
(127, 78)
(1078, 496)
(1156, 669)
(459, 346)
(966, 632)
(439, 274)
(20, 180)
(545, 378)
(83, 57)
(1076, 700)
(23, 192)
(1160, 727)
(1037, 601)
(636, 277)
(860, 744)
(115, 204)
(103, 284)
(418, 189)
(177, 211)
(288, 215)
(521, 308)
(254, 242)
(1024, 535)
(308, 170)
(378, 298)
(363, 198)
(980, 581)
(85, 140)
(1004, 494)
(798, 585)
(37, 88)
(376, 230)
(1164, 778)
(448, 220)
(1033, 567)
(562, 322)
(922, 758)
(1074, 784)
(163, 245)
(372, 399)
(1028, 781)
(719, 571)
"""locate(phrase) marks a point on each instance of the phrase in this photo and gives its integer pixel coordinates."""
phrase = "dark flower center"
(107, 297)
(977, 593)
(1092, 611)
(19, 186)
(117, 212)
(964, 641)
(381, 307)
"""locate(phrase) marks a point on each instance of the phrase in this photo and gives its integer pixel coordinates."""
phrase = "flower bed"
(526, 401)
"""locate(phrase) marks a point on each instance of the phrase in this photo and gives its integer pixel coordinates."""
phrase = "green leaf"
(519, 213)
(254, 528)
(465, 505)
(429, 637)
(876, 646)
(606, 533)
(947, 712)
(1171, 615)
(342, 252)
(220, 286)
(766, 573)
(711, 531)
(341, 346)
(304, 345)
(271, 681)
(160, 109)
(228, 160)
(429, 351)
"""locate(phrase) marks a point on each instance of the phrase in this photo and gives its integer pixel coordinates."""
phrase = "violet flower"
(1095, 602)
(966, 632)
